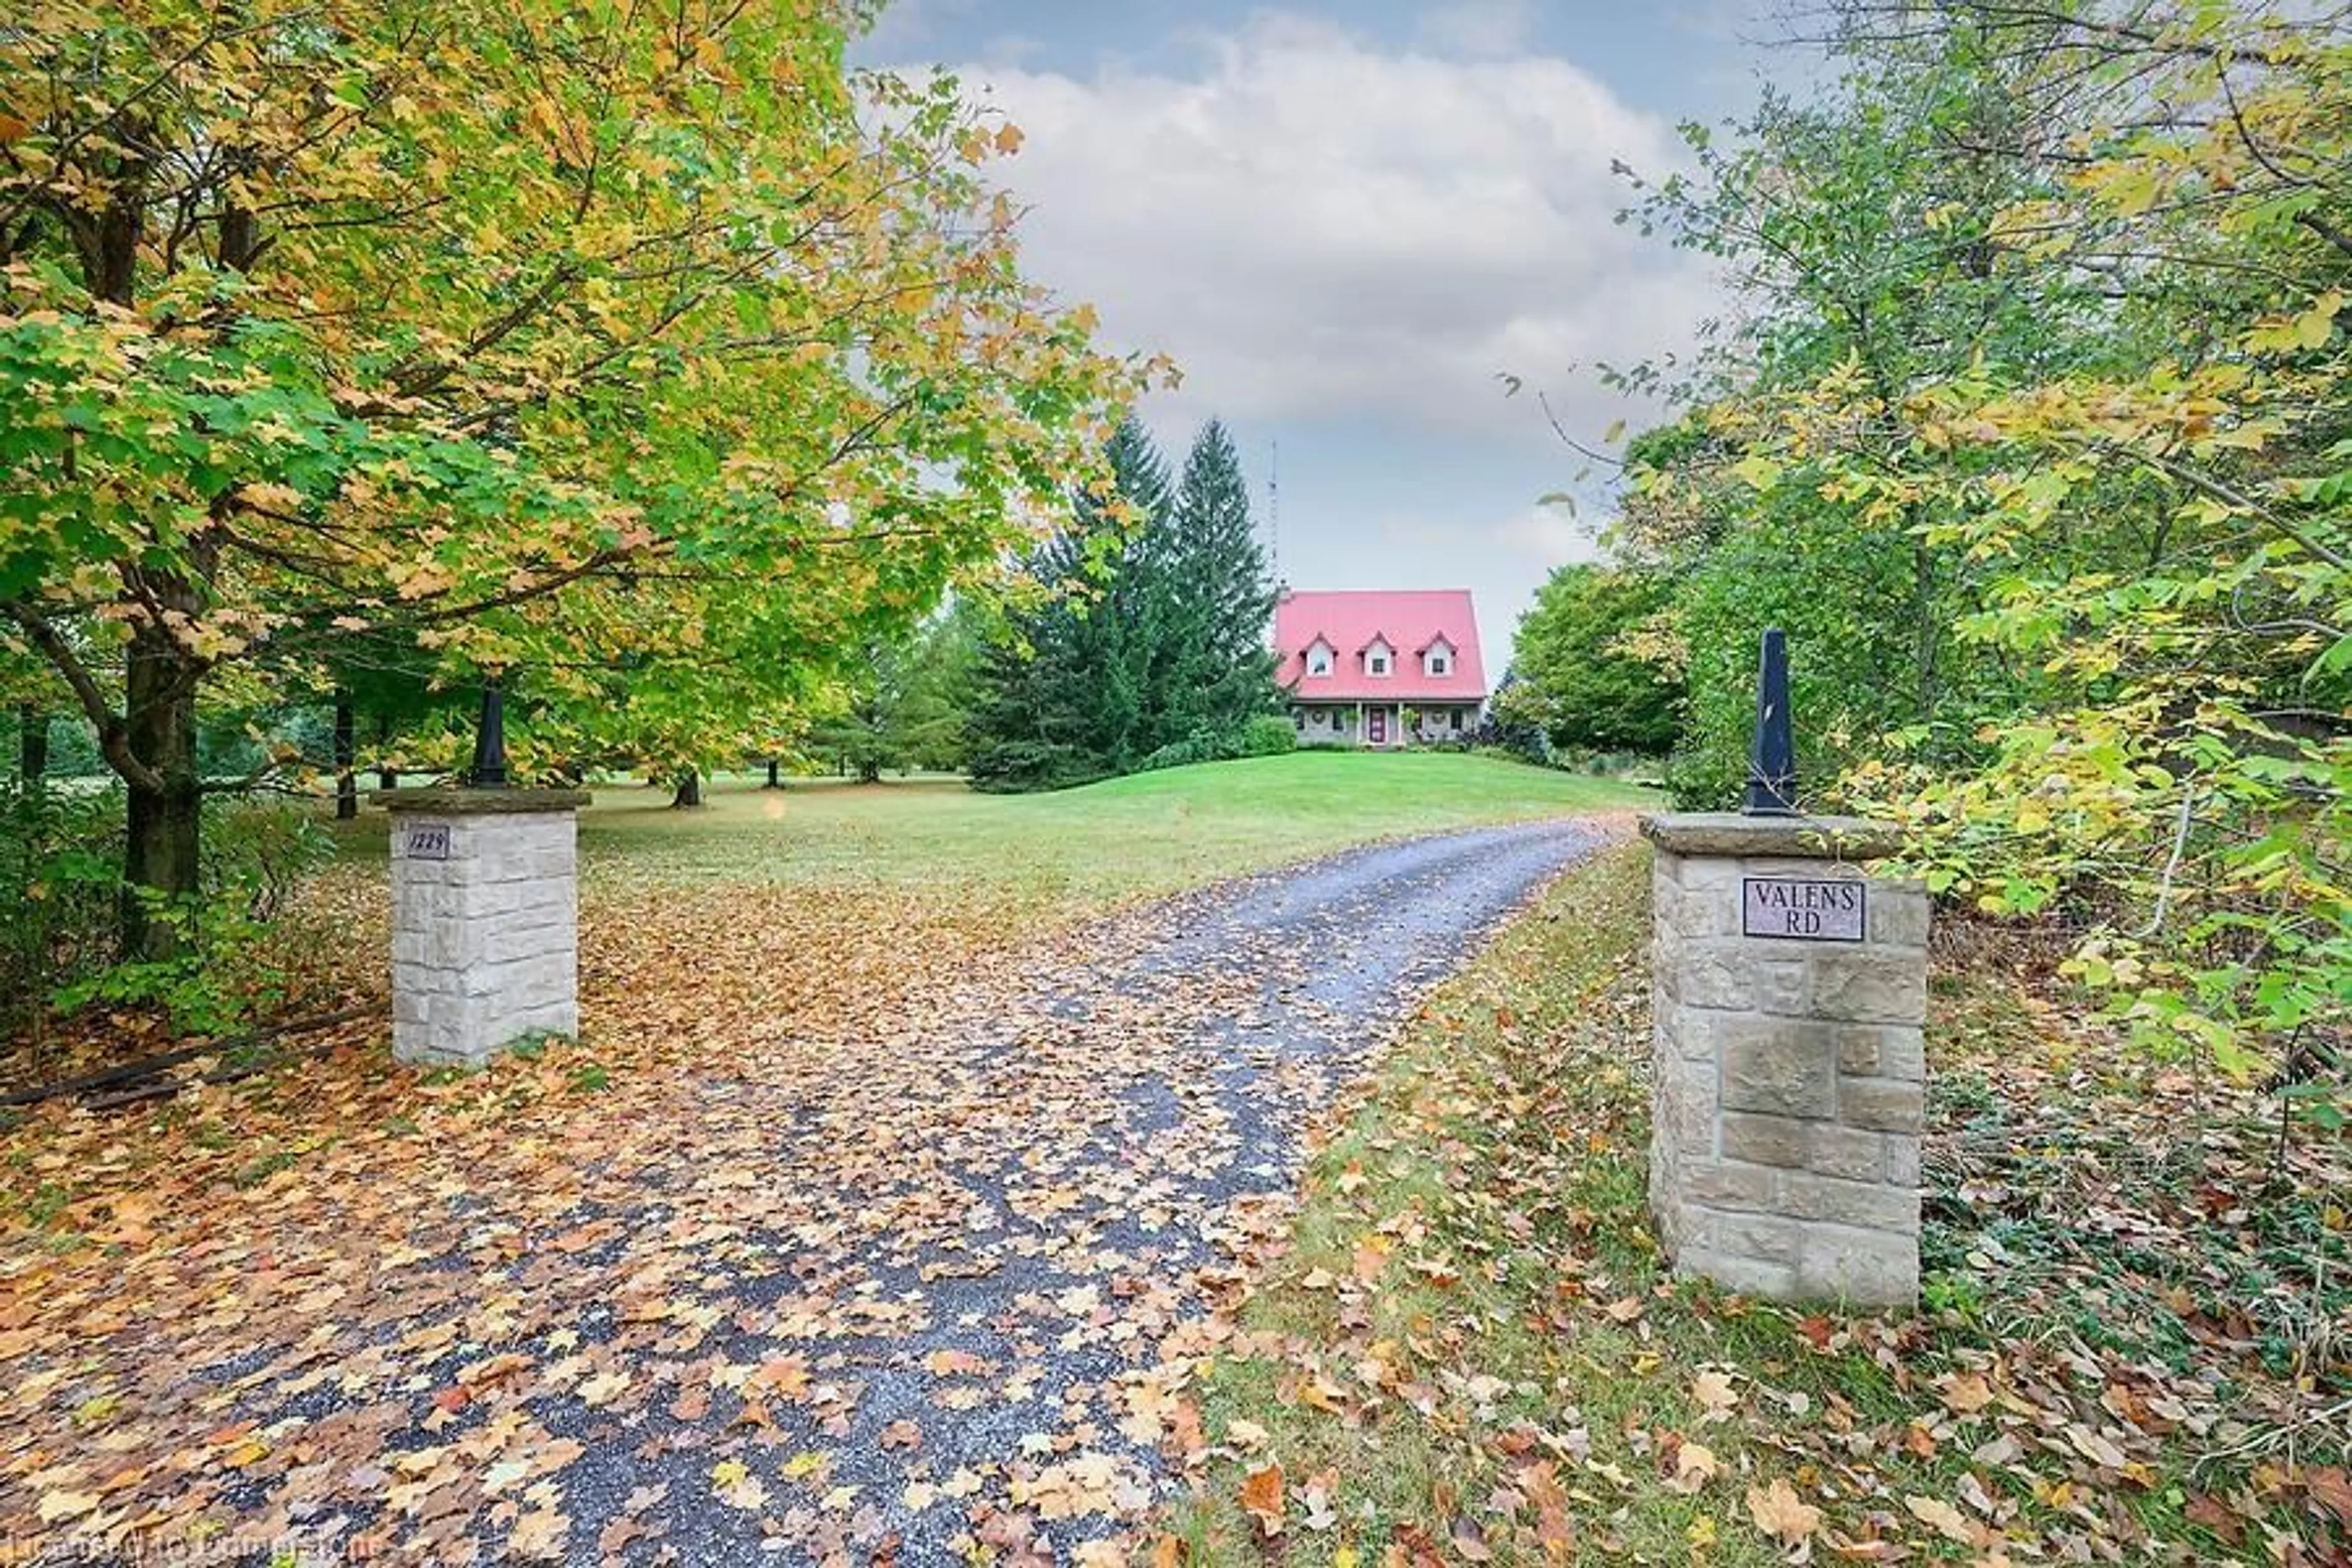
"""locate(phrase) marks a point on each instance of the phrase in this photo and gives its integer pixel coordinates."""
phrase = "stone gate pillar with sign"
(1790, 989)
(485, 919)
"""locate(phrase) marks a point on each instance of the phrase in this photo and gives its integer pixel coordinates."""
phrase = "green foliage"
(1583, 681)
(1213, 666)
(2034, 433)
(1263, 736)
(1140, 642)
(60, 854)
(910, 704)
(72, 745)
(659, 360)
(259, 850)
(1514, 726)
(1267, 735)
(1017, 767)
(1841, 591)
(60, 867)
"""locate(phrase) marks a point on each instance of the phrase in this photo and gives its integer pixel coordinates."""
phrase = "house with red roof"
(1380, 669)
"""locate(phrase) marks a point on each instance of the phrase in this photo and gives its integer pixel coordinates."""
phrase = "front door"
(1376, 726)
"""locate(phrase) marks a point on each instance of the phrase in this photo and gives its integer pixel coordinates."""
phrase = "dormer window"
(1319, 657)
(1378, 658)
(1437, 658)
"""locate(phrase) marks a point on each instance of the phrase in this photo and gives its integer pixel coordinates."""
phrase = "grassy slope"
(1148, 833)
(1462, 1349)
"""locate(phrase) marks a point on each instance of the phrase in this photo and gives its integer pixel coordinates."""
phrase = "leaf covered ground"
(848, 1232)
(870, 1226)
(1460, 1349)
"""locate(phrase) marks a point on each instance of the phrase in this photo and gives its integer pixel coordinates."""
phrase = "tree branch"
(2236, 501)
(113, 734)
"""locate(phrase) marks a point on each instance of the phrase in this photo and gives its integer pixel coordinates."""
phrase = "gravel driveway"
(784, 1312)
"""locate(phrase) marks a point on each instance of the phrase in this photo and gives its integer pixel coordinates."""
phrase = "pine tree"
(1122, 633)
(1151, 632)
(1219, 663)
(1068, 683)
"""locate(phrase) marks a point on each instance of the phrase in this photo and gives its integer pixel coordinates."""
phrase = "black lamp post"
(1773, 756)
(489, 769)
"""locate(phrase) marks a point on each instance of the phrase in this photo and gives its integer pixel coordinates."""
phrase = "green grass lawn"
(1129, 837)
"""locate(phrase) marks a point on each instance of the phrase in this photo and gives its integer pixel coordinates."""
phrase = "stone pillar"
(1790, 989)
(485, 919)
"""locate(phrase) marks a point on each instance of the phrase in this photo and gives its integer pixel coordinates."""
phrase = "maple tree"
(601, 343)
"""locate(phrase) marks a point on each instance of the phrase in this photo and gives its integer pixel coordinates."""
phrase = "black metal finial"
(1772, 758)
(489, 770)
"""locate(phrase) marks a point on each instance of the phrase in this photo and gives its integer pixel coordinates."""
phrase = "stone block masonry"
(1788, 1069)
(485, 920)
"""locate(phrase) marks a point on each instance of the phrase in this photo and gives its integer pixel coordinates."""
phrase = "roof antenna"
(1274, 509)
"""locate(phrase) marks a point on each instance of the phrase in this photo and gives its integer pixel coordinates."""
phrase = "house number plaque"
(426, 841)
(1803, 909)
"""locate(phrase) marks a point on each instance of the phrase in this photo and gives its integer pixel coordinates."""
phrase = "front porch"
(1382, 726)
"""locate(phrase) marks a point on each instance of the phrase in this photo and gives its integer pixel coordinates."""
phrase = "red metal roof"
(1408, 620)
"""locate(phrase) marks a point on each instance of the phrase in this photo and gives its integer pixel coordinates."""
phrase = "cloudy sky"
(1345, 219)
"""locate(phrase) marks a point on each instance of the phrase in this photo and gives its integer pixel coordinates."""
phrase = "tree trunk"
(773, 781)
(160, 854)
(690, 790)
(32, 743)
(347, 782)
(870, 769)
(385, 778)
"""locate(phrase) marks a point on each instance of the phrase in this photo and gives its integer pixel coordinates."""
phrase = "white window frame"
(1319, 657)
(1379, 659)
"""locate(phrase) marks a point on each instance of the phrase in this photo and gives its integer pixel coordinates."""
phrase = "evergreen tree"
(1068, 681)
(1144, 627)
(1121, 637)
(1217, 666)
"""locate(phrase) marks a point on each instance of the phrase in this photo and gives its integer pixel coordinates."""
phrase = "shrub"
(259, 849)
(1264, 736)
(60, 866)
(1267, 735)
(1180, 753)
(60, 855)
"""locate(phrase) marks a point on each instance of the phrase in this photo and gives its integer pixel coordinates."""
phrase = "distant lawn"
(1136, 837)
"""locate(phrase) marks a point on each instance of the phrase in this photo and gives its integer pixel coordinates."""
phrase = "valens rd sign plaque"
(1803, 909)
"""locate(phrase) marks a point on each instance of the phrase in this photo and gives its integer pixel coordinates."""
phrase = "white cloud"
(1488, 29)
(1551, 536)
(1316, 228)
